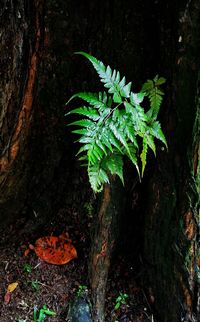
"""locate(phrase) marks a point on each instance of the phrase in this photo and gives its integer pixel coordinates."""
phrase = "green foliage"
(115, 124)
(40, 315)
(81, 290)
(121, 299)
(27, 268)
(34, 284)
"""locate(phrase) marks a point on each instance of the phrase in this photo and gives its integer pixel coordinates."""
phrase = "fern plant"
(114, 124)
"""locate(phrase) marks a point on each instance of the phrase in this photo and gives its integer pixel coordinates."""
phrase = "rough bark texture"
(21, 38)
(172, 215)
(103, 243)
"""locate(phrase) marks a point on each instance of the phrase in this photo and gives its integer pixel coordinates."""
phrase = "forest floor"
(57, 286)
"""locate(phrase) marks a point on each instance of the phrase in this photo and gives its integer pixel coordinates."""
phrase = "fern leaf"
(111, 138)
(131, 154)
(103, 175)
(109, 132)
(114, 164)
(143, 155)
(130, 133)
(84, 148)
(147, 86)
(84, 123)
(151, 143)
(156, 98)
(156, 131)
(90, 112)
(99, 173)
(99, 101)
(155, 95)
(105, 139)
(94, 154)
(159, 81)
(119, 135)
(80, 131)
(136, 99)
(97, 177)
(111, 79)
(101, 145)
(85, 139)
(138, 118)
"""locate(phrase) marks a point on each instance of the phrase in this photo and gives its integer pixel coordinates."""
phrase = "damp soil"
(56, 286)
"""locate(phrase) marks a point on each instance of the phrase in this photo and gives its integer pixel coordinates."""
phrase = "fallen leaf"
(55, 250)
(27, 251)
(11, 287)
(7, 298)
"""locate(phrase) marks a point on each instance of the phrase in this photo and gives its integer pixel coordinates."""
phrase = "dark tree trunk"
(21, 39)
(171, 217)
(103, 243)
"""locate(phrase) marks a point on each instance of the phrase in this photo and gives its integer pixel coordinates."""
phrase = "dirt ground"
(56, 286)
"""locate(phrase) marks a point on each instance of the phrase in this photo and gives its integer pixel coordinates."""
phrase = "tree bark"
(103, 244)
(171, 221)
(21, 39)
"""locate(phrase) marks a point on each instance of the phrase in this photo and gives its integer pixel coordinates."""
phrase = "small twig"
(6, 266)
(37, 265)
(147, 300)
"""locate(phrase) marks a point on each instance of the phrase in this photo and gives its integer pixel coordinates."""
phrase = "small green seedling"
(27, 268)
(34, 284)
(81, 290)
(89, 209)
(40, 315)
(121, 299)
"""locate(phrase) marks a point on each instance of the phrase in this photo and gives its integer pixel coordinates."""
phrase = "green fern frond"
(80, 131)
(131, 154)
(113, 122)
(130, 133)
(106, 139)
(151, 143)
(95, 154)
(83, 123)
(137, 98)
(155, 95)
(99, 173)
(118, 133)
(113, 163)
(147, 86)
(111, 79)
(159, 80)
(157, 132)
(99, 101)
(90, 112)
(143, 155)
(84, 148)
(138, 117)
(97, 177)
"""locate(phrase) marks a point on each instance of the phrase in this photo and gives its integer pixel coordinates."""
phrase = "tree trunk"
(103, 244)
(21, 39)
(171, 221)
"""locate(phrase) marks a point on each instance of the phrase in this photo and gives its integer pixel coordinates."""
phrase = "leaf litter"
(28, 283)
